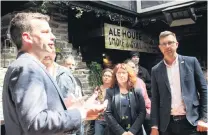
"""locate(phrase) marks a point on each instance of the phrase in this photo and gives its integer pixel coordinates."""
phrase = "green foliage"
(80, 12)
(95, 77)
(43, 7)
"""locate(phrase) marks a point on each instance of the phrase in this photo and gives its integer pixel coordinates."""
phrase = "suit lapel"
(56, 86)
(164, 74)
(117, 101)
(132, 102)
(182, 70)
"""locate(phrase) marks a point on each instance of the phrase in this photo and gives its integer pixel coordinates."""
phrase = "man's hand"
(92, 108)
(69, 101)
(202, 126)
(125, 133)
(154, 131)
(130, 133)
(72, 102)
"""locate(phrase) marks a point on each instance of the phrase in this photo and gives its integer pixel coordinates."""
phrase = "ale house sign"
(122, 38)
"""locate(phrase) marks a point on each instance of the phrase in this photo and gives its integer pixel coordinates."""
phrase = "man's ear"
(177, 44)
(159, 47)
(26, 38)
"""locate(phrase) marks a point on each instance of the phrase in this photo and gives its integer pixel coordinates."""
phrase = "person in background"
(100, 123)
(66, 82)
(179, 92)
(140, 84)
(126, 111)
(63, 77)
(32, 102)
(142, 72)
(69, 63)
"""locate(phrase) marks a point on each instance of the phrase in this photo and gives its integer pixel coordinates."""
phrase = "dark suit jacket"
(192, 83)
(112, 114)
(32, 103)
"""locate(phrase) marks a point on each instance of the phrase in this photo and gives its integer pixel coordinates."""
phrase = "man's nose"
(53, 37)
(122, 75)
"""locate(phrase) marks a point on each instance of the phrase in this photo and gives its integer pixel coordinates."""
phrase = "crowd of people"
(41, 97)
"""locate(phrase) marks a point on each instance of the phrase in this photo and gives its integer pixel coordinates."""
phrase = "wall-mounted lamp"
(176, 16)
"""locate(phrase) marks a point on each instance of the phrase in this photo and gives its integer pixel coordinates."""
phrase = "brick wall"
(2, 74)
(8, 52)
(59, 25)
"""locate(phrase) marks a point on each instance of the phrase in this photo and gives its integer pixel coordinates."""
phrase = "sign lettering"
(122, 38)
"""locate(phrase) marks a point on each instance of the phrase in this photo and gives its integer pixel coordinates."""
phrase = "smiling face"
(168, 46)
(40, 41)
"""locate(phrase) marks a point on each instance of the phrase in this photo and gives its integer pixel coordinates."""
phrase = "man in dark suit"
(32, 102)
(179, 92)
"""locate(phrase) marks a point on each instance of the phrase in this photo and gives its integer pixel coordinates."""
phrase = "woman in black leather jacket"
(126, 108)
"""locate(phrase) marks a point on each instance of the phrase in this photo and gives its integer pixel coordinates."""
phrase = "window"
(130, 5)
(146, 6)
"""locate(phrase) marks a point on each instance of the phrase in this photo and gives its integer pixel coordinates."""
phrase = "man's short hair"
(134, 53)
(68, 57)
(166, 33)
(21, 23)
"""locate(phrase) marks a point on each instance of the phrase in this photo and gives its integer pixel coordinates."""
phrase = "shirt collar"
(175, 62)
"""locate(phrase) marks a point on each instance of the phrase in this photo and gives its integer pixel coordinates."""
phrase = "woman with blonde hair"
(126, 111)
(100, 123)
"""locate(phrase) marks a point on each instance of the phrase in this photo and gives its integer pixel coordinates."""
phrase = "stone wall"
(2, 74)
(59, 24)
(8, 51)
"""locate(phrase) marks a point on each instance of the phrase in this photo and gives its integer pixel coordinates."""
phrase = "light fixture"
(178, 16)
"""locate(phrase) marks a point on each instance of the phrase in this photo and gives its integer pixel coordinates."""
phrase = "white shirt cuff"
(154, 127)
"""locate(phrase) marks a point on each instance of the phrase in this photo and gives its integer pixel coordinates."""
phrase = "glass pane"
(147, 4)
(130, 5)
